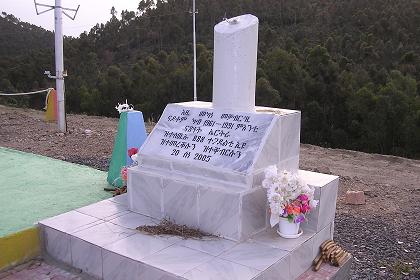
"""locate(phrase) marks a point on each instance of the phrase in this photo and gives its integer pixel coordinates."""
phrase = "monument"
(202, 165)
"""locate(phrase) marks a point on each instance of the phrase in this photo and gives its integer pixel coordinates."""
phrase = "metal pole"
(195, 54)
(59, 65)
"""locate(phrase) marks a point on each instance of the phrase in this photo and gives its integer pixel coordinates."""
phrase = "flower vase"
(288, 229)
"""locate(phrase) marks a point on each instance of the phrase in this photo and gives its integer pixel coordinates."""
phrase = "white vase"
(288, 228)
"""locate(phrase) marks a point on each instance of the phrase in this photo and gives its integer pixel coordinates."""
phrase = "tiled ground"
(101, 240)
(39, 270)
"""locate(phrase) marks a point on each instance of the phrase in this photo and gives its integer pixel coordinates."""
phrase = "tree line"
(351, 66)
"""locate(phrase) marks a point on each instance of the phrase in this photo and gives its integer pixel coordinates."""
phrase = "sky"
(90, 13)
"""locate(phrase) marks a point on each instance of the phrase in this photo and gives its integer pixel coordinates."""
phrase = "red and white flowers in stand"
(132, 153)
(288, 196)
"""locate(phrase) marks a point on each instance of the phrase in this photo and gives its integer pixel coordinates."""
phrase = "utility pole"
(59, 65)
(60, 74)
(194, 11)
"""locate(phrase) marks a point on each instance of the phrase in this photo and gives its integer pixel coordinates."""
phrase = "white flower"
(283, 188)
(313, 203)
(134, 157)
(275, 197)
(306, 189)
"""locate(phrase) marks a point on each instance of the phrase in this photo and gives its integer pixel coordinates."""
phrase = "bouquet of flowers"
(288, 195)
(132, 153)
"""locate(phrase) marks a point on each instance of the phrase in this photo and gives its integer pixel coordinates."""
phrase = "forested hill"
(25, 51)
(351, 66)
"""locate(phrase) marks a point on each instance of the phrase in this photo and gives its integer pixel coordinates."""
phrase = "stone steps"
(101, 240)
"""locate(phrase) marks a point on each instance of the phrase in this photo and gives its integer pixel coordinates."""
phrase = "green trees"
(286, 75)
(351, 66)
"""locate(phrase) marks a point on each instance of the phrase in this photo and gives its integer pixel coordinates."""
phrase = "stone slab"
(111, 249)
(208, 137)
(231, 212)
(247, 144)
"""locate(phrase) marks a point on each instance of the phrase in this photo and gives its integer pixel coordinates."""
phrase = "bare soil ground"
(382, 235)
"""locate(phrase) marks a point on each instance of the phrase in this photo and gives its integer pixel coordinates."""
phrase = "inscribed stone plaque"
(228, 140)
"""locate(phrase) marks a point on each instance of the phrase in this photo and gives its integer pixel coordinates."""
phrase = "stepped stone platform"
(100, 239)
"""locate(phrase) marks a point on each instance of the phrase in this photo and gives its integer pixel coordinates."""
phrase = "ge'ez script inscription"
(222, 139)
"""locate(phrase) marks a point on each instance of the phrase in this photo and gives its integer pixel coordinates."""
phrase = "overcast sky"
(90, 13)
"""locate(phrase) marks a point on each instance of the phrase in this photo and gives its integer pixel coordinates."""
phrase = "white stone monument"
(203, 163)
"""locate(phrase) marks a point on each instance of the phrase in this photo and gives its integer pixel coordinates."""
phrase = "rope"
(24, 93)
(46, 98)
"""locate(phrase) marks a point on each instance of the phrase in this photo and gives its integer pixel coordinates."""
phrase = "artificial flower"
(303, 197)
(134, 158)
(313, 203)
(305, 208)
(124, 173)
(299, 218)
(132, 151)
(288, 195)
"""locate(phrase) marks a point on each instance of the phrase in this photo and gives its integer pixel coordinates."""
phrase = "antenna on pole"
(59, 61)
(193, 12)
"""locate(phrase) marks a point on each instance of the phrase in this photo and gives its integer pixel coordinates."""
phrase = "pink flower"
(303, 197)
(305, 208)
(132, 151)
(124, 173)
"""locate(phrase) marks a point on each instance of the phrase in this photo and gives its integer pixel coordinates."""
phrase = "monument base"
(219, 208)
(100, 239)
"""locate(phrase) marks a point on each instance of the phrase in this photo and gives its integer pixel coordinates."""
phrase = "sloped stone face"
(197, 136)
(266, 137)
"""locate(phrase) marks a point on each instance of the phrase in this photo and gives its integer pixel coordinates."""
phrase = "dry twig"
(168, 227)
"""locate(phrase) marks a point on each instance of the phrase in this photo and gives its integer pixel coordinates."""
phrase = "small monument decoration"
(131, 133)
(290, 200)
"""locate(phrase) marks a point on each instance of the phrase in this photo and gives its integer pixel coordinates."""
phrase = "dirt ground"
(382, 235)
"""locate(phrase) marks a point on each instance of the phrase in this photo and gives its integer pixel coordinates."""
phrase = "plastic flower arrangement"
(288, 196)
(132, 153)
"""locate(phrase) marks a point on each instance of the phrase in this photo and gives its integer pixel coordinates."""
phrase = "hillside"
(351, 66)
(382, 235)
(26, 51)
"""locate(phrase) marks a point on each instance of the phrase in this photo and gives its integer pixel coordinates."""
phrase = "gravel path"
(382, 235)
